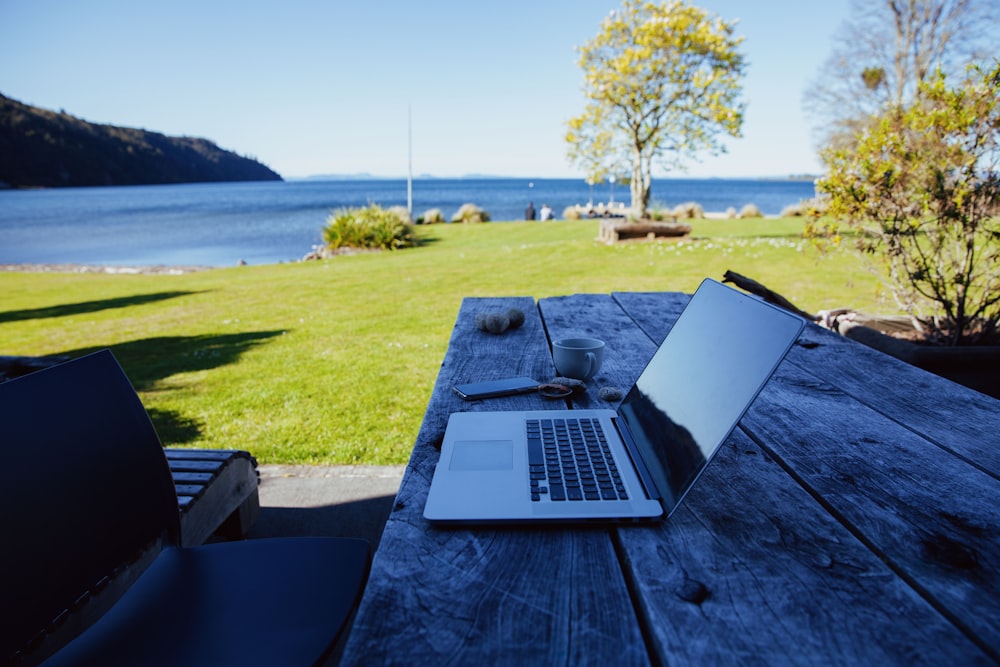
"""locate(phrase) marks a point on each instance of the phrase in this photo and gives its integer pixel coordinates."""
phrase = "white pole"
(409, 150)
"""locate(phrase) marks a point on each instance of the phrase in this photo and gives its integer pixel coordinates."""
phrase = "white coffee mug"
(578, 358)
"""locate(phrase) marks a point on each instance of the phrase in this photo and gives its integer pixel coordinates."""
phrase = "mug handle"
(591, 363)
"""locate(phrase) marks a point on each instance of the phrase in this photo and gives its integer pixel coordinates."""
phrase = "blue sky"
(323, 87)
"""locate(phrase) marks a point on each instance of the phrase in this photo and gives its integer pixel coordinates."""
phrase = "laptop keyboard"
(569, 460)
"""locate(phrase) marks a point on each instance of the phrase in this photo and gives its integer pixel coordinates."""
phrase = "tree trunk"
(639, 188)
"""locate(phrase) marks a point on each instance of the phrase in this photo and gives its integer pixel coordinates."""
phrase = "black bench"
(92, 557)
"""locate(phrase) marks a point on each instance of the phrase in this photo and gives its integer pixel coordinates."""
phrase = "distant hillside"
(41, 148)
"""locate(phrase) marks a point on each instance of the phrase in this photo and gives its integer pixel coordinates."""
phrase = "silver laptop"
(634, 463)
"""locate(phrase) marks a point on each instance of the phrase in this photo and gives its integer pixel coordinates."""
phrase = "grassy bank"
(333, 361)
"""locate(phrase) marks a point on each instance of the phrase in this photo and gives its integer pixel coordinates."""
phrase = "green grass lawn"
(333, 362)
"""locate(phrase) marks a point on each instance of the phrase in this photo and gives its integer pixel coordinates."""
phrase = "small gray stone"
(497, 323)
(516, 317)
(611, 393)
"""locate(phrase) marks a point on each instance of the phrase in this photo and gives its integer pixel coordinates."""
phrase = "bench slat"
(178, 454)
(217, 492)
(196, 466)
(192, 478)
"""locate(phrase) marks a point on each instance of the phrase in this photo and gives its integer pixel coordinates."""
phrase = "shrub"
(432, 216)
(470, 213)
(402, 213)
(806, 207)
(920, 190)
(369, 227)
(751, 211)
(794, 210)
(818, 206)
(689, 210)
(571, 213)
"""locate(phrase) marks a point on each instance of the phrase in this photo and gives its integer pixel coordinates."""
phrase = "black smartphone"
(492, 388)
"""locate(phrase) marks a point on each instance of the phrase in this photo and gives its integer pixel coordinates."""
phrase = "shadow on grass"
(68, 309)
(425, 241)
(150, 360)
(173, 427)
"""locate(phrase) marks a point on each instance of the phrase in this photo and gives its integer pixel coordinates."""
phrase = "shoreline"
(176, 270)
(157, 269)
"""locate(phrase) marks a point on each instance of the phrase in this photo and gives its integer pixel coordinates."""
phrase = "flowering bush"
(921, 191)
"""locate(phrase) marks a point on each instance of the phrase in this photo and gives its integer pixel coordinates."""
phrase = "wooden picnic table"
(853, 517)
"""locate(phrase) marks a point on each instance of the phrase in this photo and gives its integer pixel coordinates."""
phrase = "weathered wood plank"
(932, 516)
(192, 477)
(475, 355)
(185, 454)
(653, 312)
(185, 465)
(751, 570)
(478, 596)
(853, 460)
(955, 417)
(922, 401)
(598, 316)
(724, 547)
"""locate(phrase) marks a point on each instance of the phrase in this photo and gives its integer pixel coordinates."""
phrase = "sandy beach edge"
(158, 269)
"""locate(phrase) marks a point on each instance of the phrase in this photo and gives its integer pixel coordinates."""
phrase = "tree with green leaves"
(662, 83)
(921, 192)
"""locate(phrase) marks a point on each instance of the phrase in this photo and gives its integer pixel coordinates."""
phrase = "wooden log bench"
(612, 230)
(217, 492)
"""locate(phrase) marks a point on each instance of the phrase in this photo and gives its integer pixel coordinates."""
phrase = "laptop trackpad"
(482, 455)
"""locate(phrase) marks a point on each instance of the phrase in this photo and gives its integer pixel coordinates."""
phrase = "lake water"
(219, 224)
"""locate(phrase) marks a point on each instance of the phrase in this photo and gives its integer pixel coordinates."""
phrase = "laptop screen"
(712, 364)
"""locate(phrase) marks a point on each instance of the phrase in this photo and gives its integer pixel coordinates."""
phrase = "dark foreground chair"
(92, 571)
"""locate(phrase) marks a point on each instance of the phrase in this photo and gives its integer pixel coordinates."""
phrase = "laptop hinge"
(640, 466)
